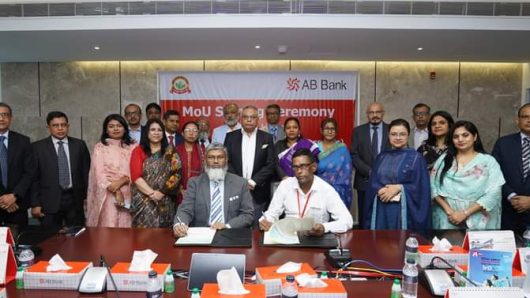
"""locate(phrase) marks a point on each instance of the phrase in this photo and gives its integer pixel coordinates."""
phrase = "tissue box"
(273, 281)
(335, 289)
(134, 281)
(36, 277)
(210, 290)
(456, 256)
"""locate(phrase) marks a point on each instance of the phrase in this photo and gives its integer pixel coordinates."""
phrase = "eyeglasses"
(330, 128)
(132, 113)
(249, 117)
(419, 114)
(213, 157)
(191, 130)
(303, 166)
(5, 115)
(374, 112)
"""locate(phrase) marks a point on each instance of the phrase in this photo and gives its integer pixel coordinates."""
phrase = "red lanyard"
(306, 203)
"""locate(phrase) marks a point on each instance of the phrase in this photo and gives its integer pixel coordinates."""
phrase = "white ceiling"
(234, 37)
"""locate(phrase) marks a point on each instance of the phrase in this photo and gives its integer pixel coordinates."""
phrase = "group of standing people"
(446, 180)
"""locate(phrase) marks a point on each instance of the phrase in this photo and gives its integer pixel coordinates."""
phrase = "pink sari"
(109, 163)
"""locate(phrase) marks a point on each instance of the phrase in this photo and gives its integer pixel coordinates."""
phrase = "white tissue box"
(456, 256)
(134, 281)
(211, 290)
(273, 280)
(36, 277)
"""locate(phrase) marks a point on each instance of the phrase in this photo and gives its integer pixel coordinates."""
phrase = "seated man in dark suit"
(16, 171)
(61, 180)
(216, 198)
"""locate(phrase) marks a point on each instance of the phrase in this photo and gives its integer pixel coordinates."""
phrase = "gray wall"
(486, 93)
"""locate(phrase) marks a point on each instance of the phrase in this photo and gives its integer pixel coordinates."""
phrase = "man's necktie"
(3, 160)
(64, 170)
(526, 157)
(375, 142)
(274, 132)
(171, 141)
(216, 207)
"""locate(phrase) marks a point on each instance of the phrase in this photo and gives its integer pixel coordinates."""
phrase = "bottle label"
(155, 294)
(407, 279)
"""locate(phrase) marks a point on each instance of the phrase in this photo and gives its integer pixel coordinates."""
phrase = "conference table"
(383, 248)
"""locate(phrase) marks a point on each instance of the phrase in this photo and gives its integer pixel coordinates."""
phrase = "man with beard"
(216, 198)
(231, 118)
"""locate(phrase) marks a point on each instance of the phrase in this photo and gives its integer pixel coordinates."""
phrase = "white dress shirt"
(6, 134)
(219, 133)
(420, 135)
(323, 202)
(248, 152)
(67, 151)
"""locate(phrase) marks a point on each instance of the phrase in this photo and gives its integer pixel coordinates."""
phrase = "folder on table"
(241, 237)
(328, 240)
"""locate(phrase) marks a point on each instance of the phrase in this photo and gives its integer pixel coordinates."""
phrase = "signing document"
(197, 235)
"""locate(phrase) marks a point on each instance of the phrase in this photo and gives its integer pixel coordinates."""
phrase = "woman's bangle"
(465, 212)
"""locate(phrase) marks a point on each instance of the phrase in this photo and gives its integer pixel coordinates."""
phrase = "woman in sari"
(155, 171)
(191, 154)
(466, 183)
(109, 194)
(439, 126)
(398, 196)
(288, 146)
(334, 164)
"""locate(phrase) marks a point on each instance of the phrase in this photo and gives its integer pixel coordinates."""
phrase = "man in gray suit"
(273, 125)
(368, 140)
(217, 199)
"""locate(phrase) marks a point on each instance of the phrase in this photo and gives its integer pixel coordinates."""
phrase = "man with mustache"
(368, 140)
(216, 198)
(231, 118)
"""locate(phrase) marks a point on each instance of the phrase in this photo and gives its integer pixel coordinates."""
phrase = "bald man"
(367, 141)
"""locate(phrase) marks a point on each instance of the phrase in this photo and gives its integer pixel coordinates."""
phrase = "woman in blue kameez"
(398, 196)
(334, 164)
(466, 183)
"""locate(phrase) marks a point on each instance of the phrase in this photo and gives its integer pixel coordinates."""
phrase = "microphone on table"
(339, 256)
(103, 263)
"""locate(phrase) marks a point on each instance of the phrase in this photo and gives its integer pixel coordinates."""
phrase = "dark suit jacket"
(237, 204)
(20, 169)
(265, 161)
(361, 156)
(46, 191)
(508, 152)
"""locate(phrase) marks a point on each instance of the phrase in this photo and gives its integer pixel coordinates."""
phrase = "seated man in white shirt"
(307, 195)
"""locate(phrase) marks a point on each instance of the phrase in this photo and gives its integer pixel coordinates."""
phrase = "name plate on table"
(494, 240)
(8, 264)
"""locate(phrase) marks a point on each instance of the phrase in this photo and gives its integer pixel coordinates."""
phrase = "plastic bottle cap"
(396, 281)
(195, 290)
(152, 274)
(169, 272)
(289, 278)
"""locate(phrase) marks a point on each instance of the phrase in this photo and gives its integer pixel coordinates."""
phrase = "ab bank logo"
(293, 84)
(180, 85)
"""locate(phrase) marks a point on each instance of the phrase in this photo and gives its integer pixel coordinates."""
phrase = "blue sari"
(413, 211)
(335, 168)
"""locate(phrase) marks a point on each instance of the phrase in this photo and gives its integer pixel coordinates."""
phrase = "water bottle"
(396, 289)
(411, 249)
(154, 289)
(169, 282)
(19, 278)
(289, 288)
(526, 237)
(26, 258)
(410, 279)
(195, 293)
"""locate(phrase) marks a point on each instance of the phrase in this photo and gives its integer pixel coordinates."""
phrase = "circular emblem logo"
(180, 85)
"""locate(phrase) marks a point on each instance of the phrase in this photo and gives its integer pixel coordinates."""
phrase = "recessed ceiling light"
(420, 49)
(257, 46)
(97, 48)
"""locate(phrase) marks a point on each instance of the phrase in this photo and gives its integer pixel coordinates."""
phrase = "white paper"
(285, 231)
(307, 281)
(56, 263)
(493, 240)
(289, 267)
(197, 235)
(142, 260)
(229, 282)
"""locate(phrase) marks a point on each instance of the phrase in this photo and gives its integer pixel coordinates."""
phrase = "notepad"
(198, 236)
(484, 292)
